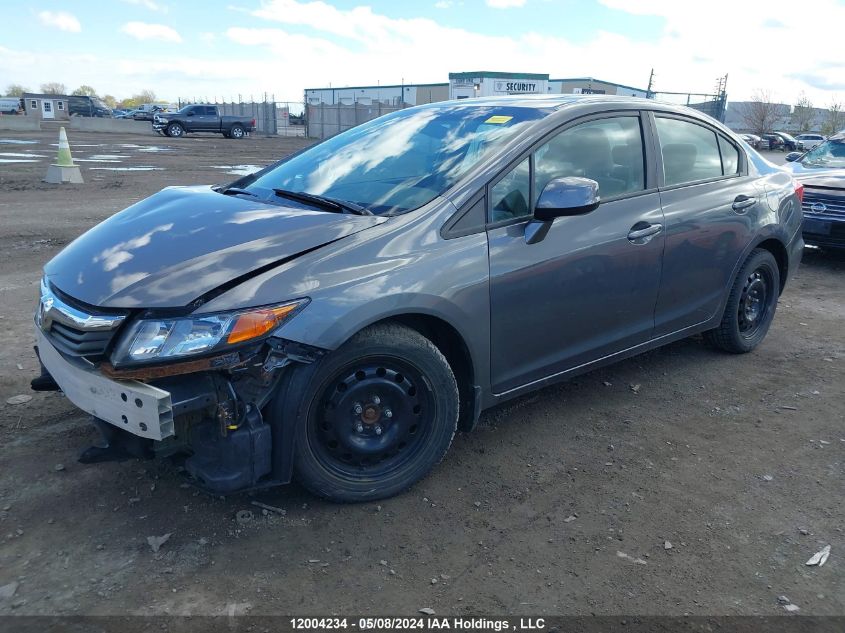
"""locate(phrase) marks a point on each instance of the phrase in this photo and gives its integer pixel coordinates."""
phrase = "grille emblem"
(818, 207)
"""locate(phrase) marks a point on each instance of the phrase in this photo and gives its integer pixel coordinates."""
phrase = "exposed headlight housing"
(175, 338)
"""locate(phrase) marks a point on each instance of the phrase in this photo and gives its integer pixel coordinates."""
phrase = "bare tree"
(803, 115)
(85, 91)
(835, 119)
(53, 88)
(145, 96)
(760, 114)
(15, 90)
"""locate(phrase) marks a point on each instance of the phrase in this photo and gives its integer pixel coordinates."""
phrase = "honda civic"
(337, 316)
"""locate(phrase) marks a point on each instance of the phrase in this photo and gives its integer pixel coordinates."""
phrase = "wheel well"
(452, 346)
(776, 248)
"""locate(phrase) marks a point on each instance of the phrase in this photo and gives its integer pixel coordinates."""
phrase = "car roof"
(558, 102)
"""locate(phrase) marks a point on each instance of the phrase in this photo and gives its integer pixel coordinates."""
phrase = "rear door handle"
(742, 202)
(641, 230)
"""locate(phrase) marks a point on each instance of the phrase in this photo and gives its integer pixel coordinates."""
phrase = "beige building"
(46, 107)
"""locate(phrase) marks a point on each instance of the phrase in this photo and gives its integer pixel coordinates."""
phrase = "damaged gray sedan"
(337, 316)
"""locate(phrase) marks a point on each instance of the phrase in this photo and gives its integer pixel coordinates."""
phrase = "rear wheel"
(175, 130)
(375, 416)
(237, 132)
(751, 305)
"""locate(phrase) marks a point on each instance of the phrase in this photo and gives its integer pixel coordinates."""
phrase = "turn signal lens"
(251, 325)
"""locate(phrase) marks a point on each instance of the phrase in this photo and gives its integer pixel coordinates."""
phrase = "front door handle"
(642, 230)
(742, 202)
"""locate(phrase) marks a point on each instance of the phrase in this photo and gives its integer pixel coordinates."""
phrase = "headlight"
(172, 338)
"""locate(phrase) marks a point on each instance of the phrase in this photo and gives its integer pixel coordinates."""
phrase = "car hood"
(819, 176)
(183, 242)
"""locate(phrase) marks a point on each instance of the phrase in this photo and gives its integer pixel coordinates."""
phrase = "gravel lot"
(680, 481)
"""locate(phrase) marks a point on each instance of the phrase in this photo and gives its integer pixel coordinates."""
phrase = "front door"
(589, 288)
(47, 109)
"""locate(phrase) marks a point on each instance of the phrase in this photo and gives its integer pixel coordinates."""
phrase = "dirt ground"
(681, 481)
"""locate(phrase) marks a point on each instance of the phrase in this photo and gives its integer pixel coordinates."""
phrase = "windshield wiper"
(322, 201)
(234, 191)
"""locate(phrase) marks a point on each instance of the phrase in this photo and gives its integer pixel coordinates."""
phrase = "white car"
(807, 142)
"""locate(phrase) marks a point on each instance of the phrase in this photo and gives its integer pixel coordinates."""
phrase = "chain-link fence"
(272, 118)
(712, 104)
(327, 119)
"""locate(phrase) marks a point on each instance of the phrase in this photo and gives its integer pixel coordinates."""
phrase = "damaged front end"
(136, 373)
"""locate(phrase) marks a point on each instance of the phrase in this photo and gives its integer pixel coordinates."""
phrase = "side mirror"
(567, 196)
(561, 197)
(793, 156)
(189, 113)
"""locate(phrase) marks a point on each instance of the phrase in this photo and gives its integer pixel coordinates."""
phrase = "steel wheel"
(750, 306)
(373, 418)
(754, 302)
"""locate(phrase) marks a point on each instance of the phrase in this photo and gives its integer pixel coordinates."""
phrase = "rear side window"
(730, 157)
(210, 111)
(690, 151)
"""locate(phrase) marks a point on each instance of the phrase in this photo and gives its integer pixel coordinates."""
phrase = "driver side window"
(609, 151)
(509, 197)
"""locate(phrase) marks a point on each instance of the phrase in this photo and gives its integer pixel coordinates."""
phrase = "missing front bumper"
(140, 409)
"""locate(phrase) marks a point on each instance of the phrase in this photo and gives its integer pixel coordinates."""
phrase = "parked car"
(80, 105)
(775, 142)
(127, 114)
(829, 154)
(338, 315)
(202, 118)
(807, 142)
(10, 105)
(147, 111)
(789, 142)
(824, 208)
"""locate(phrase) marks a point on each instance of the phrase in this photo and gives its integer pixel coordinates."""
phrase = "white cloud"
(149, 4)
(145, 31)
(505, 4)
(61, 20)
(361, 46)
(208, 37)
(443, 4)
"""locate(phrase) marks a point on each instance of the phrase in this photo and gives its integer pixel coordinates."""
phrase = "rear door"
(710, 205)
(208, 119)
(588, 289)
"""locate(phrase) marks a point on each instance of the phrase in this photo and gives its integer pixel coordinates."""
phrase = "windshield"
(400, 161)
(829, 154)
(785, 136)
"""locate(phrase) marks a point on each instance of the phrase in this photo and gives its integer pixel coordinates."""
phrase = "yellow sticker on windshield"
(498, 118)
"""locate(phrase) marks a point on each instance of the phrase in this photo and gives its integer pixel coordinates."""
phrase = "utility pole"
(648, 92)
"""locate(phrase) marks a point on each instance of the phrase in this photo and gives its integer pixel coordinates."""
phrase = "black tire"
(373, 417)
(751, 305)
(175, 130)
(237, 131)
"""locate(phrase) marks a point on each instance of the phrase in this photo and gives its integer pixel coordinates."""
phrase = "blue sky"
(228, 48)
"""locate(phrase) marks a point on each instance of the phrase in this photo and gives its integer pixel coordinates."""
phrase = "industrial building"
(464, 85)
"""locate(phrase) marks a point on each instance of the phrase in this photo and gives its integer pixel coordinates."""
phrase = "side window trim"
(649, 161)
(654, 114)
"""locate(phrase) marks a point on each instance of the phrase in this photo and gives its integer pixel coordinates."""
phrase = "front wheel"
(751, 305)
(175, 130)
(237, 132)
(374, 417)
